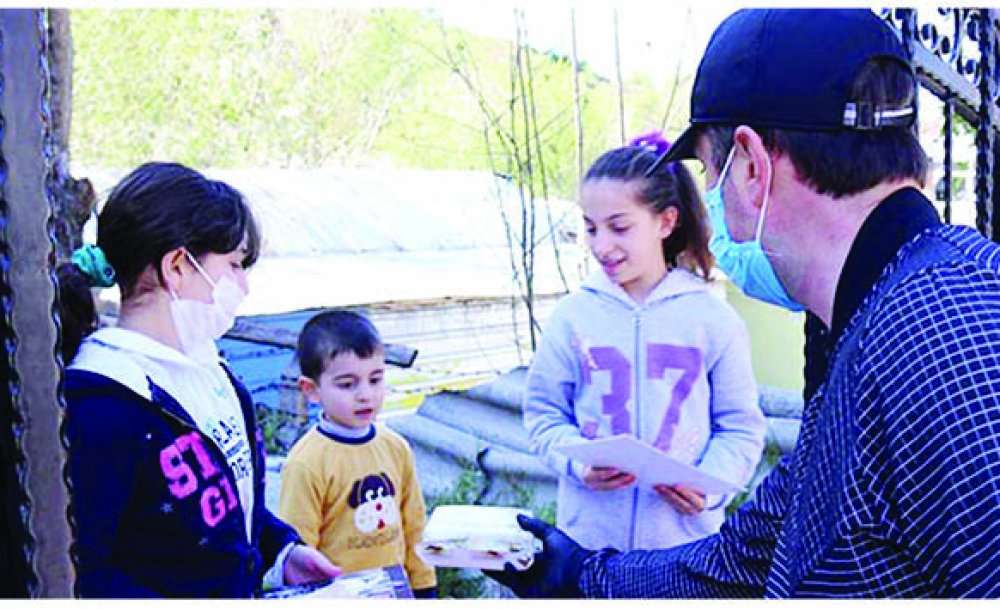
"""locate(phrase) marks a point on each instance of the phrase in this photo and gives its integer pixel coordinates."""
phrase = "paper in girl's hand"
(650, 465)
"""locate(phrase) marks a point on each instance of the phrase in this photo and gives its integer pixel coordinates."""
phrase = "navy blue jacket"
(155, 501)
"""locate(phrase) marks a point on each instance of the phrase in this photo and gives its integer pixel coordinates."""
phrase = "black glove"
(555, 571)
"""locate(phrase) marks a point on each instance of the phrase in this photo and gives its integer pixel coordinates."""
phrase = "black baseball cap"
(791, 69)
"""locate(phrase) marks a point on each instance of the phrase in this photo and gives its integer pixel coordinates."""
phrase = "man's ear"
(756, 161)
(309, 388)
(171, 269)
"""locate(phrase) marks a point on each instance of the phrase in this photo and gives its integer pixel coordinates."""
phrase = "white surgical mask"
(199, 324)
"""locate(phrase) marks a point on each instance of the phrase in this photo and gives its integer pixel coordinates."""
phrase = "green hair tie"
(91, 261)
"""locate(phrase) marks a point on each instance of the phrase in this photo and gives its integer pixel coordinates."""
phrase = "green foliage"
(772, 454)
(310, 87)
(215, 87)
(278, 429)
(651, 104)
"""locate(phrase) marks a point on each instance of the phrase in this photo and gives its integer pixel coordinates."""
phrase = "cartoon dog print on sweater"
(373, 503)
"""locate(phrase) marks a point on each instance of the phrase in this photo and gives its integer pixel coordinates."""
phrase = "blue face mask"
(744, 263)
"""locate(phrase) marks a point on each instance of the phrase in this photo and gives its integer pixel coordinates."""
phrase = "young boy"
(349, 486)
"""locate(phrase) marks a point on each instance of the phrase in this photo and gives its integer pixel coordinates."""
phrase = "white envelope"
(650, 465)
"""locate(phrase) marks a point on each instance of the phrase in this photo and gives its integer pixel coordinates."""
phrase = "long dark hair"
(669, 185)
(156, 208)
(77, 311)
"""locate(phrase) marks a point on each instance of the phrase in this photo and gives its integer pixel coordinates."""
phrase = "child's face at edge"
(350, 389)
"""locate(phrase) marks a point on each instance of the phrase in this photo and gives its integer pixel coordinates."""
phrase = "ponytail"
(77, 310)
(156, 208)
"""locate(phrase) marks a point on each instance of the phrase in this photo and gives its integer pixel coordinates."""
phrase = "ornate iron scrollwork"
(18, 546)
(985, 128)
(29, 302)
(955, 54)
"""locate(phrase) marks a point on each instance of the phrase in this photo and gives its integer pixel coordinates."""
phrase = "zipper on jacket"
(638, 419)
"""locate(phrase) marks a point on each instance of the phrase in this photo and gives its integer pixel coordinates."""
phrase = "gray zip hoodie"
(673, 371)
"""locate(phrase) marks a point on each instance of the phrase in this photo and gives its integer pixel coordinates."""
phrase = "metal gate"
(954, 51)
(37, 537)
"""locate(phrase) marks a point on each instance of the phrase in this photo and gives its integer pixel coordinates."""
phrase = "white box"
(483, 537)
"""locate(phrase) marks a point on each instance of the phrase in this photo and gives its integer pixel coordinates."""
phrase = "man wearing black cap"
(802, 120)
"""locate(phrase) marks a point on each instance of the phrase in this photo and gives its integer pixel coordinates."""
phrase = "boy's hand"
(305, 564)
(556, 570)
(605, 478)
(685, 500)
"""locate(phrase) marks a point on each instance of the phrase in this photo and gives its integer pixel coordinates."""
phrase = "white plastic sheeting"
(354, 236)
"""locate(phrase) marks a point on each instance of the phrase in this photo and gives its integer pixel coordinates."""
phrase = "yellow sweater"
(358, 501)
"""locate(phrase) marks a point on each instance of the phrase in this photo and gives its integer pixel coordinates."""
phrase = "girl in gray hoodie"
(644, 348)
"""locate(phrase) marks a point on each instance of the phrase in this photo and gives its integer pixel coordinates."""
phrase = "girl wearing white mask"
(165, 462)
(643, 348)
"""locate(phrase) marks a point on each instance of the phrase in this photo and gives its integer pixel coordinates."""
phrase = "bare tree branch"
(577, 109)
(541, 165)
(677, 75)
(528, 178)
(618, 76)
(522, 148)
(510, 242)
(73, 199)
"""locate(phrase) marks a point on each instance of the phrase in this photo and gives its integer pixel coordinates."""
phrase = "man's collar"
(895, 221)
